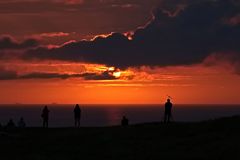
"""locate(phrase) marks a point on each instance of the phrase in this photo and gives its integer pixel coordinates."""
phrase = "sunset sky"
(120, 51)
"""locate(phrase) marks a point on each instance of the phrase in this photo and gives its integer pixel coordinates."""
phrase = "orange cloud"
(52, 34)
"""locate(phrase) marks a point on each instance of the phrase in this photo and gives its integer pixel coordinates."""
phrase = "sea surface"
(110, 115)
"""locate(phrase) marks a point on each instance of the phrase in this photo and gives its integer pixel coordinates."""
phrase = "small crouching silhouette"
(124, 121)
(77, 115)
(21, 123)
(168, 111)
(45, 116)
(10, 124)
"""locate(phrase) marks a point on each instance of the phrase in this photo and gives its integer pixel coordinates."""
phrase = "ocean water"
(110, 115)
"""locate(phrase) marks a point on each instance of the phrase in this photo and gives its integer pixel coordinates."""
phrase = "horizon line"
(118, 103)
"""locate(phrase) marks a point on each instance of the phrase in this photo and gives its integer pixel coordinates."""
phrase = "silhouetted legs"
(77, 122)
(45, 123)
(167, 118)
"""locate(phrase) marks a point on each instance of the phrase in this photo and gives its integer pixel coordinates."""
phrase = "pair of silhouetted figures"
(77, 116)
(10, 125)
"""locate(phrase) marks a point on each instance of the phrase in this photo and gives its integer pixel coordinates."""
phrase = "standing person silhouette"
(21, 123)
(168, 111)
(45, 116)
(77, 115)
(124, 121)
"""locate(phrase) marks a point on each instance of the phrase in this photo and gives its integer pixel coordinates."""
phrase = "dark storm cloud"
(10, 48)
(87, 76)
(103, 76)
(6, 42)
(13, 75)
(197, 31)
(40, 75)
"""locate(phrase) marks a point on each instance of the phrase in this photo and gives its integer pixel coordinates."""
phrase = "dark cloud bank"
(10, 48)
(13, 75)
(7, 42)
(188, 37)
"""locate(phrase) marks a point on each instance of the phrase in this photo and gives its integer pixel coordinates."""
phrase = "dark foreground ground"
(215, 140)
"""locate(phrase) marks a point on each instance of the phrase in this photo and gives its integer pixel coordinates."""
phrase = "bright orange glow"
(101, 36)
(192, 84)
(111, 68)
(81, 44)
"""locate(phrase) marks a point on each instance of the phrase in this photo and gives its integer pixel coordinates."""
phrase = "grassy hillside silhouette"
(215, 139)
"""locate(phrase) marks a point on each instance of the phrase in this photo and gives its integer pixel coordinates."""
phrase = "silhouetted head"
(11, 123)
(168, 100)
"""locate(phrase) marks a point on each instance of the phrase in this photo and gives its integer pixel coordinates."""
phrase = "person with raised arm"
(168, 111)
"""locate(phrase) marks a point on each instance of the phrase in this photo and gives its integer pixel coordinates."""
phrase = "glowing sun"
(117, 74)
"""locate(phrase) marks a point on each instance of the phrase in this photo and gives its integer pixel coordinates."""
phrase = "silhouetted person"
(124, 121)
(1, 128)
(10, 124)
(21, 123)
(168, 111)
(45, 115)
(77, 115)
